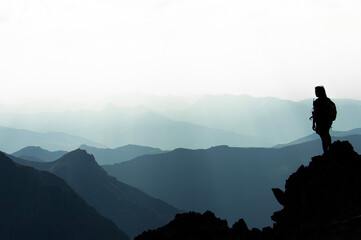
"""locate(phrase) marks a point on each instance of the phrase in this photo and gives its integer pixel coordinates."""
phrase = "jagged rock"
(190, 225)
(322, 201)
(240, 229)
(279, 195)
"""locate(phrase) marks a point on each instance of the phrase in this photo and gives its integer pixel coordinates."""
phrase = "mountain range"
(102, 155)
(130, 209)
(115, 126)
(231, 182)
(39, 205)
(239, 121)
(110, 156)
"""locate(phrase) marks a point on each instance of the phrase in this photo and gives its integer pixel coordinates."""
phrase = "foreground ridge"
(323, 200)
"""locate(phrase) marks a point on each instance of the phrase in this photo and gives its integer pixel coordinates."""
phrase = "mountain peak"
(77, 163)
(79, 155)
(38, 154)
(34, 147)
(30, 149)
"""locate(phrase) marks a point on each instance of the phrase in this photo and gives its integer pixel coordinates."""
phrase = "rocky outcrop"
(323, 200)
(198, 226)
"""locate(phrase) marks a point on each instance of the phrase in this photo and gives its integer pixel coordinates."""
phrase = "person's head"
(320, 91)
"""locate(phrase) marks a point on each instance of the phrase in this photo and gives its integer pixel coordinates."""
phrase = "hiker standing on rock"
(323, 114)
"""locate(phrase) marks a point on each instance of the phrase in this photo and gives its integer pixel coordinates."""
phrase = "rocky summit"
(323, 200)
(320, 201)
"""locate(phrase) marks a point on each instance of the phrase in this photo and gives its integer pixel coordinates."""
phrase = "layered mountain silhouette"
(38, 154)
(241, 121)
(12, 139)
(102, 155)
(231, 182)
(321, 201)
(110, 156)
(130, 209)
(39, 205)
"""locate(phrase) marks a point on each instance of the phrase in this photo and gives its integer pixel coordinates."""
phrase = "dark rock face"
(321, 201)
(196, 226)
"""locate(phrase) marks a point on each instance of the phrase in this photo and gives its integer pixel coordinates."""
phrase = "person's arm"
(313, 124)
(313, 116)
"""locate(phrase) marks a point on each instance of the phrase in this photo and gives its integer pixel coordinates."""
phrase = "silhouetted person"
(323, 114)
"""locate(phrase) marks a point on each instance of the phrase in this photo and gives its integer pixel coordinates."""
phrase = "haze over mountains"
(335, 135)
(102, 155)
(110, 156)
(12, 140)
(116, 127)
(239, 121)
(272, 119)
(38, 154)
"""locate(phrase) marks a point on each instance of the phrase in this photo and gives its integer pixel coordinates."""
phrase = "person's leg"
(326, 141)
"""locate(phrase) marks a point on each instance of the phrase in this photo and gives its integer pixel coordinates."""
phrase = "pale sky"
(279, 48)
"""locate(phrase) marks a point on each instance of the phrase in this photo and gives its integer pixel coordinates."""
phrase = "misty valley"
(219, 167)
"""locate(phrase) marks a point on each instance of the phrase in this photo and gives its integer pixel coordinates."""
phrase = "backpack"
(325, 110)
(330, 110)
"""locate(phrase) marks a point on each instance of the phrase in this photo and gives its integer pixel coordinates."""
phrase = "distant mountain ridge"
(39, 205)
(115, 126)
(110, 156)
(336, 135)
(130, 209)
(12, 140)
(36, 153)
(158, 131)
